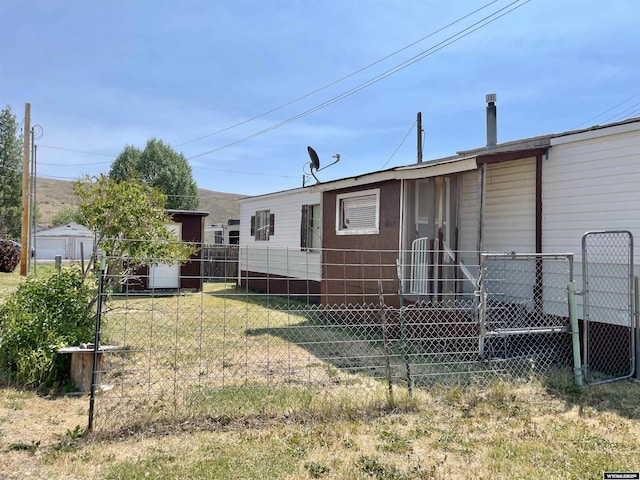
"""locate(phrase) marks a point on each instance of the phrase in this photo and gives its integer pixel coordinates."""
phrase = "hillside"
(54, 195)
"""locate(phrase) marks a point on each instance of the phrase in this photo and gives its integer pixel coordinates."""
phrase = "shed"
(188, 225)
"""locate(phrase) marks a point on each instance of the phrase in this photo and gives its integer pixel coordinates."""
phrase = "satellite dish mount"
(314, 165)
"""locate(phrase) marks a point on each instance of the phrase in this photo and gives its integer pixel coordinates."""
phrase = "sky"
(242, 87)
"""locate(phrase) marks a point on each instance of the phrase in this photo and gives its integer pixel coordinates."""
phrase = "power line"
(623, 114)
(634, 113)
(425, 53)
(324, 87)
(79, 151)
(53, 177)
(398, 147)
(70, 165)
(607, 111)
(245, 172)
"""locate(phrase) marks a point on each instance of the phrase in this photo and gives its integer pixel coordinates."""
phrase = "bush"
(43, 315)
(9, 257)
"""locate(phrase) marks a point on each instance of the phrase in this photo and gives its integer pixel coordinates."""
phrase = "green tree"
(162, 167)
(66, 215)
(10, 175)
(130, 224)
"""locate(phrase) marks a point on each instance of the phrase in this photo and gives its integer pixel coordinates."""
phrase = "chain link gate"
(524, 310)
(608, 306)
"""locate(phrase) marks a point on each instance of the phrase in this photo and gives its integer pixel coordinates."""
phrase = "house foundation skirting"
(300, 288)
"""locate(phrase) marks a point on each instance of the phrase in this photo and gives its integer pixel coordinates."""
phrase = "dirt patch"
(31, 424)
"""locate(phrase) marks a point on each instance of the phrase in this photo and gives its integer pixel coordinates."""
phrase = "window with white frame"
(358, 213)
(262, 225)
(311, 228)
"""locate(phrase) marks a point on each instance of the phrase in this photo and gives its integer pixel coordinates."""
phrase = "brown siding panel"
(352, 264)
(190, 271)
(301, 289)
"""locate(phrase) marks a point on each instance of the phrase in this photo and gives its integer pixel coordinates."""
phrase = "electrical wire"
(78, 151)
(243, 172)
(623, 114)
(607, 111)
(71, 165)
(634, 113)
(425, 53)
(398, 147)
(324, 87)
(53, 177)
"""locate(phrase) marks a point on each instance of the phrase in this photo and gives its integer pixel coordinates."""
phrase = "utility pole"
(24, 231)
(419, 130)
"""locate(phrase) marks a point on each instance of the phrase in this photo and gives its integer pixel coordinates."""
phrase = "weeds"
(23, 446)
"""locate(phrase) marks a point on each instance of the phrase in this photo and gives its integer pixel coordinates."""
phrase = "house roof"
(469, 159)
(195, 213)
(68, 230)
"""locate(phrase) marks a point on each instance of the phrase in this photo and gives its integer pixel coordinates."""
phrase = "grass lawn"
(539, 428)
(503, 431)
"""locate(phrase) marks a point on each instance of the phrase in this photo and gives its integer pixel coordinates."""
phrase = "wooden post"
(24, 231)
(419, 142)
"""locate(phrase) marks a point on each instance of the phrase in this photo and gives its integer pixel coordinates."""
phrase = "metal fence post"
(403, 330)
(636, 312)
(482, 305)
(96, 343)
(575, 334)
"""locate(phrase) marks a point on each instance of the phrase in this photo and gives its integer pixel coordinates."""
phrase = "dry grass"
(504, 431)
(342, 427)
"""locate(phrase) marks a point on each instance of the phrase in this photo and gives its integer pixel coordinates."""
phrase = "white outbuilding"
(68, 241)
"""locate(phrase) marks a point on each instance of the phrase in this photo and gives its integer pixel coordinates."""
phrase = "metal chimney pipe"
(492, 124)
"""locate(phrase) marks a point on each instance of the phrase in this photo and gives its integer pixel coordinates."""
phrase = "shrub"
(9, 257)
(43, 315)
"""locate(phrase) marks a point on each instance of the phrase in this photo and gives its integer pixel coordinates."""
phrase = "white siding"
(468, 214)
(591, 184)
(510, 214)
(510, 222)
(468, 224)
(281, 254)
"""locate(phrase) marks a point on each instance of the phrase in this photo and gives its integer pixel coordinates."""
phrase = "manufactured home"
(420, 236)
(534, 195)
(281, 242)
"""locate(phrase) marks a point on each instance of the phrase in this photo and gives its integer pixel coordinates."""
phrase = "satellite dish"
(314, 164)
(315, 161)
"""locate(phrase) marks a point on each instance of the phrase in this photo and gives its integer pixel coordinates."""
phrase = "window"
(311, 228)
(357, 213)
(262, 225)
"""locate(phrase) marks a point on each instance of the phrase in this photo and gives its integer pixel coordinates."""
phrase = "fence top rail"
(525, 256)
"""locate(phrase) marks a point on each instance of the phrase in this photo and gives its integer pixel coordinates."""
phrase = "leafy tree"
(66, 215)
(130, 224)
(162, 167)
(10, 175)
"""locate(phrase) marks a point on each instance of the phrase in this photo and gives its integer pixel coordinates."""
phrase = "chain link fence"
(266, 343)
(608, 306)
(524, 310)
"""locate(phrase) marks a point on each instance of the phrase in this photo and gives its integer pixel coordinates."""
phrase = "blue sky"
(101, 75)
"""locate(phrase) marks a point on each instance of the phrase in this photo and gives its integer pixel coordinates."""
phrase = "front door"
(164, 275)
(434, 214)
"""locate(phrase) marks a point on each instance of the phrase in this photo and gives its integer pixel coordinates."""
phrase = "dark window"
(311, 228)
(263, 225)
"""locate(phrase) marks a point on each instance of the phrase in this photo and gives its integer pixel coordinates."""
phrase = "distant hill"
(54, 195)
